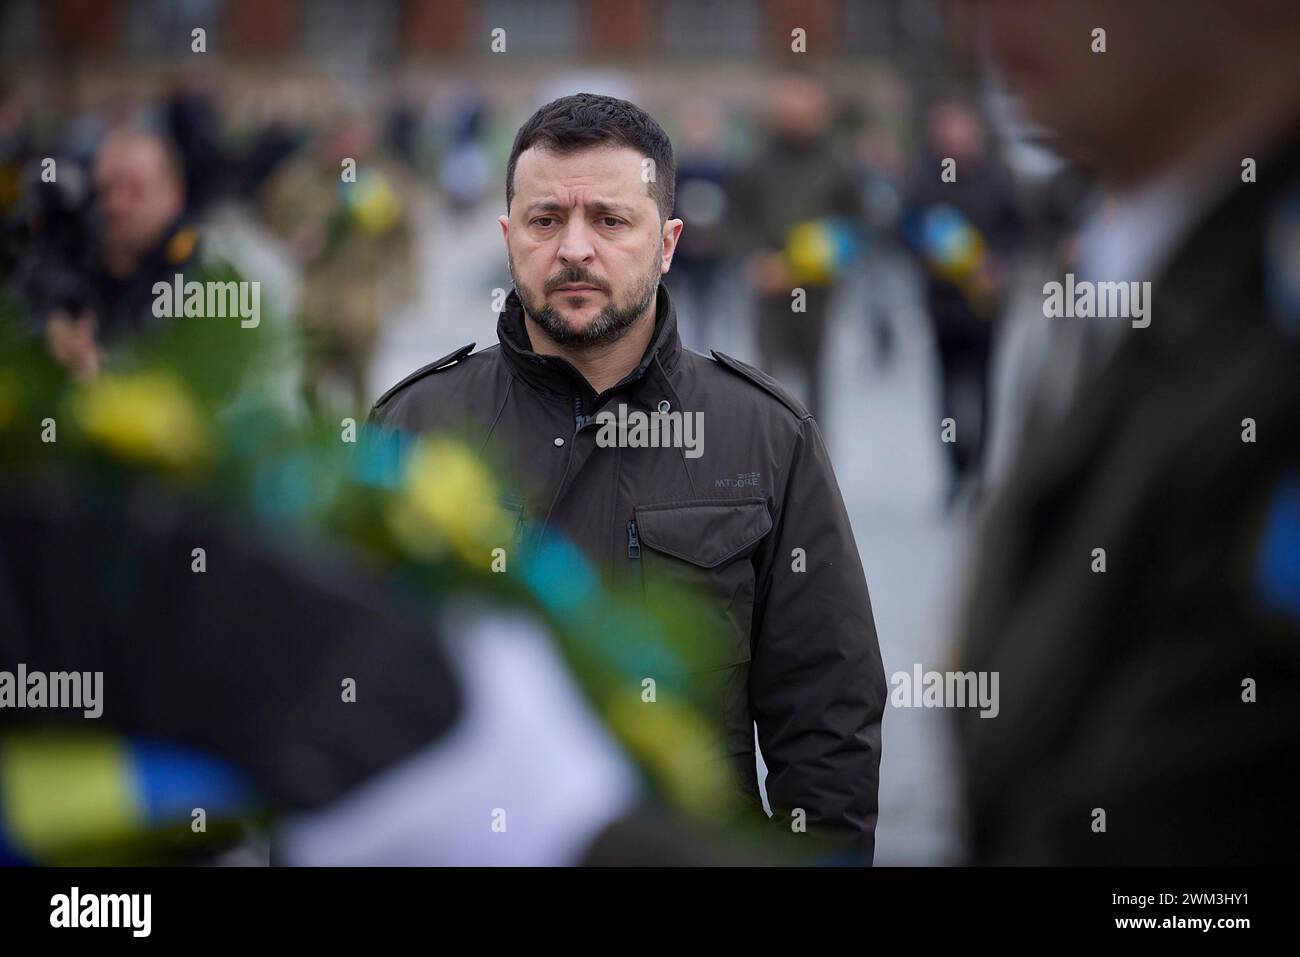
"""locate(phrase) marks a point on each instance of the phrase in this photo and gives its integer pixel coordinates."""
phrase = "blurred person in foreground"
(1139, 583)
(964, 231)
(746, 513)
(796, 219)
(98, 291)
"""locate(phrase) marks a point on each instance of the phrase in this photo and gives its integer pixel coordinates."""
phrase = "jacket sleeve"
(817, 684)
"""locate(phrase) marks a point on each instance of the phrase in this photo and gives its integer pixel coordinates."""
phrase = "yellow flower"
(810, 254)
(378, 207)
(448, 498)
(145, 417)
(676, 745)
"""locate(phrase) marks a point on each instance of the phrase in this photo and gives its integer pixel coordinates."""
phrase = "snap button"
(558, 441)
(664, 406)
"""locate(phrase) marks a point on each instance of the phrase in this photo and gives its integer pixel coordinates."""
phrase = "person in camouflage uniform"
(343, 211)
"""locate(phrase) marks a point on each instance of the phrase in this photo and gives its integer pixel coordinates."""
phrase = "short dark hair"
(588, 119)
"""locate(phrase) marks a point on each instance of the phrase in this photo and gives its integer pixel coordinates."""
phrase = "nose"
(576, 248)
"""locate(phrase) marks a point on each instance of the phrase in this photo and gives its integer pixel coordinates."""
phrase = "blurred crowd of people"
(798, 189)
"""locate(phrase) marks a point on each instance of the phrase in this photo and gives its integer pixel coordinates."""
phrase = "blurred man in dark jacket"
(703, 184)
(104, 293)
(795, 212)
(1138, 588)
(963, 226)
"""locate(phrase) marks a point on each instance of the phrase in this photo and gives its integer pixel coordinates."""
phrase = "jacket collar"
(555, 374)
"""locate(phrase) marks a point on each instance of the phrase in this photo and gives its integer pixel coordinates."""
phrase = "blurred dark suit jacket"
(1123, 691)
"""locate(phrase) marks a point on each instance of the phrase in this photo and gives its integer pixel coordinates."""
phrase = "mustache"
(574, 275)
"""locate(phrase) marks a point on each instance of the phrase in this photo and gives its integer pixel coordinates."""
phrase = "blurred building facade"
(416, 29)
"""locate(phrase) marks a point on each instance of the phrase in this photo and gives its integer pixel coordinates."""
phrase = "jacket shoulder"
(764, 382)
(437, 365)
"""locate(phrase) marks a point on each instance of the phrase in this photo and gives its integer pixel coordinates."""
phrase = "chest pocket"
(704, 547)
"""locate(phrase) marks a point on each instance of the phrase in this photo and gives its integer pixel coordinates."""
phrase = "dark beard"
(610, 325)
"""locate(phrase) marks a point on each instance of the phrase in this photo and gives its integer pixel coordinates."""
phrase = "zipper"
(633, 540)
(579, 420)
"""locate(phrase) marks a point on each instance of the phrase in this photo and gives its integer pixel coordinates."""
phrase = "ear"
(505, 227)
(671, 233)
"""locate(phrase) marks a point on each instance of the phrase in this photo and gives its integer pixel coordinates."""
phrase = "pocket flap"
(704, 533)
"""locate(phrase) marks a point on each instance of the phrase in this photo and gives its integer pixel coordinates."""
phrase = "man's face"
(798, 108)
(136, 192)
(957, 132)
(585, 243)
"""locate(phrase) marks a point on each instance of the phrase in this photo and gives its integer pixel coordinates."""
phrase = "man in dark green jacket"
(668, 468)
